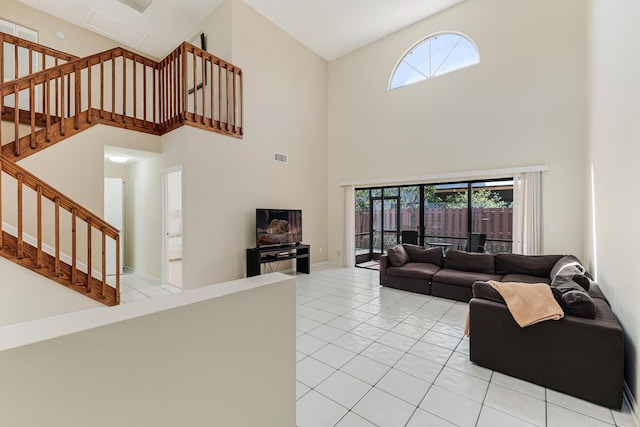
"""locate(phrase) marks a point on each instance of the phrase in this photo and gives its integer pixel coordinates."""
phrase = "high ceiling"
(331, 28)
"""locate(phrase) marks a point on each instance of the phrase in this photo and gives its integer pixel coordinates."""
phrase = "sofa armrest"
(577, 356)
(383, 263)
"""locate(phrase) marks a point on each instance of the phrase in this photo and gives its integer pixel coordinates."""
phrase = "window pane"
(434, 56)
(445, 214)
(390, 191)
(390, 214)
(362, 221)
(492, 214)
(410, 208)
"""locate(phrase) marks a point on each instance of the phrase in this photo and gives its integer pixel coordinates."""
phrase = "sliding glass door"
(443, 214)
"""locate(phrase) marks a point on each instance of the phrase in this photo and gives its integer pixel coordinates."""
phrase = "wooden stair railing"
(40, 57)
(117, 88)
(49, 262)
(123, 89)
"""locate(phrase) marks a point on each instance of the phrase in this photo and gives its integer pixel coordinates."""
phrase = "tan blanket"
(529, 303)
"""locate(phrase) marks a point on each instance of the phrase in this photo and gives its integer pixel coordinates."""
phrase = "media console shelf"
(258, 256)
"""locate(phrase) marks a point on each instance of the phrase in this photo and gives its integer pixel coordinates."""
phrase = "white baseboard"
(633, 405)
(50, 250)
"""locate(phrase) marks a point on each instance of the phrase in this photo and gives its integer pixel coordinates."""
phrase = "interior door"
(114, 215)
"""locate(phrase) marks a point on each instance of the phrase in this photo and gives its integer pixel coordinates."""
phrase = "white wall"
(226, 179)
(134, 364)
(522, 105)
(25, 295)
(613, 156)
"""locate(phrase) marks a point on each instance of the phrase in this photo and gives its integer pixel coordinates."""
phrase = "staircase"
(47, 96)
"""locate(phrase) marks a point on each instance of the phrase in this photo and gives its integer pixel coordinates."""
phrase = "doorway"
(114, 215)
(172, 226)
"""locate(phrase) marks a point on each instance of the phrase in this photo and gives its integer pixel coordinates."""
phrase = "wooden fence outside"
(496, 223)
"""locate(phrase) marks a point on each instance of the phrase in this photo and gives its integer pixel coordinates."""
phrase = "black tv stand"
(261, 255)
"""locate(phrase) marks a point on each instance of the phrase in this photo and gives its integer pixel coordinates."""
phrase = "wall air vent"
(282, 158)
(139, 5)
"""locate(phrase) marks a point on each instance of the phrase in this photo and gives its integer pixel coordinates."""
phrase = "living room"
(554, 87)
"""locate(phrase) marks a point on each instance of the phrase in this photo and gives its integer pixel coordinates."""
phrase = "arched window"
(433, 56)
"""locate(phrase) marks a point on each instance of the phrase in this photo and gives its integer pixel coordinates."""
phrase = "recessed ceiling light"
(59, 34)
(118, 159)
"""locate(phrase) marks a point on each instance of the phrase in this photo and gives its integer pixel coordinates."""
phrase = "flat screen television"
(278, 227)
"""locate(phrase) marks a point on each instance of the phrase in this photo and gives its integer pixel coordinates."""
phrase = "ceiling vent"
(281, 158)
(139, 5)
(114, 29)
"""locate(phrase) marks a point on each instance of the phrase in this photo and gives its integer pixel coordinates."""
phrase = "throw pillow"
(566, 266)
(572, 297)
(582, 280)
(398, 256)
(420, 254)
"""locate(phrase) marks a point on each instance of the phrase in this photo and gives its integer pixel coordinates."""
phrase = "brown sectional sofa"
(580, 356)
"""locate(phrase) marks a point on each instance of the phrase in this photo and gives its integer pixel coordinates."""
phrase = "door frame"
(165, 216)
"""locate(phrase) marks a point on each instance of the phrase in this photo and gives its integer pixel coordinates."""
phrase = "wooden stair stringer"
(47, 269)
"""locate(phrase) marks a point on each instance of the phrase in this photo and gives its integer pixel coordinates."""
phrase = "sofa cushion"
(568, 265)
(397, 256)
(530, 265)
(420, 254)
(414, 270)
(573, 299)
(596, 292)
(462, 278)
(525, 278)
(484, 290)
(466, 261)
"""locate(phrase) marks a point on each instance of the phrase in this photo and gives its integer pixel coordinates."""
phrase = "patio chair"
(475, 242)
(409, 236)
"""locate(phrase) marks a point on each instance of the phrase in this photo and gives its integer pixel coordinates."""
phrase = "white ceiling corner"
(331, 28)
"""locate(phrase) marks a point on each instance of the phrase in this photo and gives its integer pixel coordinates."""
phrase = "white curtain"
(349, 250)
(526, 213)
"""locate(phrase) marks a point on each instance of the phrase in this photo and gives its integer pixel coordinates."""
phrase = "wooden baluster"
(113, 87)
(204, 80)
(16, 120)
(104, 262)
(20, 247)
(32, 92)
(30, 60)
(15, 61)
(76, 98)
(89, 229)
(174, 88)
(73, 246)
(118, 268)
(233, 94)
(195, 87)
(153, 75)
(69, 95)
(144, 94)
(56, 88)
(220, 94)
(1, 63)
(1, 108)
(212, 93)
(57, 237)
(230, 75)
(42, 67)
(62, 120)
(39, 249)
(135, 90)
(1, 243)
(241, 95)
(167, 95)
(89, 90)
(47, 107)
(101, 87)
(124, 87)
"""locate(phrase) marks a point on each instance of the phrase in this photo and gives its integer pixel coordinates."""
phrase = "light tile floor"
(134, 287)
(375, 356)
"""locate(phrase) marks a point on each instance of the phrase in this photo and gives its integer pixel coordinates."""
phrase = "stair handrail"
(45, 51)
(77, 211)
